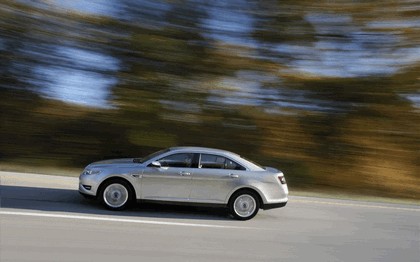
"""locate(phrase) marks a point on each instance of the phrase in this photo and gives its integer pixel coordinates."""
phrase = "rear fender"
(264, 200)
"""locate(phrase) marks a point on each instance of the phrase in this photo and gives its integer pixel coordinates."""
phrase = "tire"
(116, 194)
(244, 205)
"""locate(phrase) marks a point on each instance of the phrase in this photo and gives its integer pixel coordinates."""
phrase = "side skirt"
(176, 203)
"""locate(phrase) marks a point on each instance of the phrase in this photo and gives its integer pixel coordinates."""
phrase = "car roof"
(202, 149)
(236, 157)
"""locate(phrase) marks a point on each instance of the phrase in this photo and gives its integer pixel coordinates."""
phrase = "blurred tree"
(326, 91)
(363, 93)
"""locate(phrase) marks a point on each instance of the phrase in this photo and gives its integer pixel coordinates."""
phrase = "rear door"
(215, 177)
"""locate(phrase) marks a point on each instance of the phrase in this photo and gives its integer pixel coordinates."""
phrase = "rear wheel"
(244, 205)
(116, 194)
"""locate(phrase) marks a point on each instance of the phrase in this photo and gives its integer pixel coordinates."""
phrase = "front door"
(171, 181)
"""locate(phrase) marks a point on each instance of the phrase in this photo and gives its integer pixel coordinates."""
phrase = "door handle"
(183, 173)
(234, 176)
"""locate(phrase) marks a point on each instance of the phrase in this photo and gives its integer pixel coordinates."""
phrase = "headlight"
(91, 171)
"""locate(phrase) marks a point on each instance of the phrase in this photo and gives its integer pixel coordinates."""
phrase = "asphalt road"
(43, 218)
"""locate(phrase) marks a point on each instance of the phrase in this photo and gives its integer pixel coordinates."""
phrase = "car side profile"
(186, 175)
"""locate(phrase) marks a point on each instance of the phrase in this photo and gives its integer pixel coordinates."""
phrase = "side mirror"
(156, 164)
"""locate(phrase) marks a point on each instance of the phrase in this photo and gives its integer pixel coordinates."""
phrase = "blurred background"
(327, 91)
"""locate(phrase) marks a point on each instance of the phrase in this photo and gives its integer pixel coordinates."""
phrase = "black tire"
(116, 194)
(244, 204)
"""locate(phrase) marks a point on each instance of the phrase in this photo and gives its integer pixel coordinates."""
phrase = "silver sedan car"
(187, 175)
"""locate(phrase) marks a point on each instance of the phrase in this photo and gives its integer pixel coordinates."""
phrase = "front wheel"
(244, 205)
(116, 195)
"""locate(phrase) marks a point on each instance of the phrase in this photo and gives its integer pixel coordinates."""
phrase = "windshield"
(151, 156)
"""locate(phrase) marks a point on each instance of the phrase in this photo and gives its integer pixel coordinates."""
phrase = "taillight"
(282, 180)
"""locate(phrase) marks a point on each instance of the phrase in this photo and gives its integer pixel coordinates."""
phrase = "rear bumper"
(273, 205)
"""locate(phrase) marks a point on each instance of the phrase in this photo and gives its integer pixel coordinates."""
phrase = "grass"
(42, 170)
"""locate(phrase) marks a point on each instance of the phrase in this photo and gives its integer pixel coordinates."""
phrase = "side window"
(177, 160)
(218, 162)
(233, 165)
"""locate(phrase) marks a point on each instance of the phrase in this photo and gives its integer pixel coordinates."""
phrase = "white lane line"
(355, 205)
(120, 220)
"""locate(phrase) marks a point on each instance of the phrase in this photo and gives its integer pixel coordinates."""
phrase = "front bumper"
(88, 184)
(85, 191)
